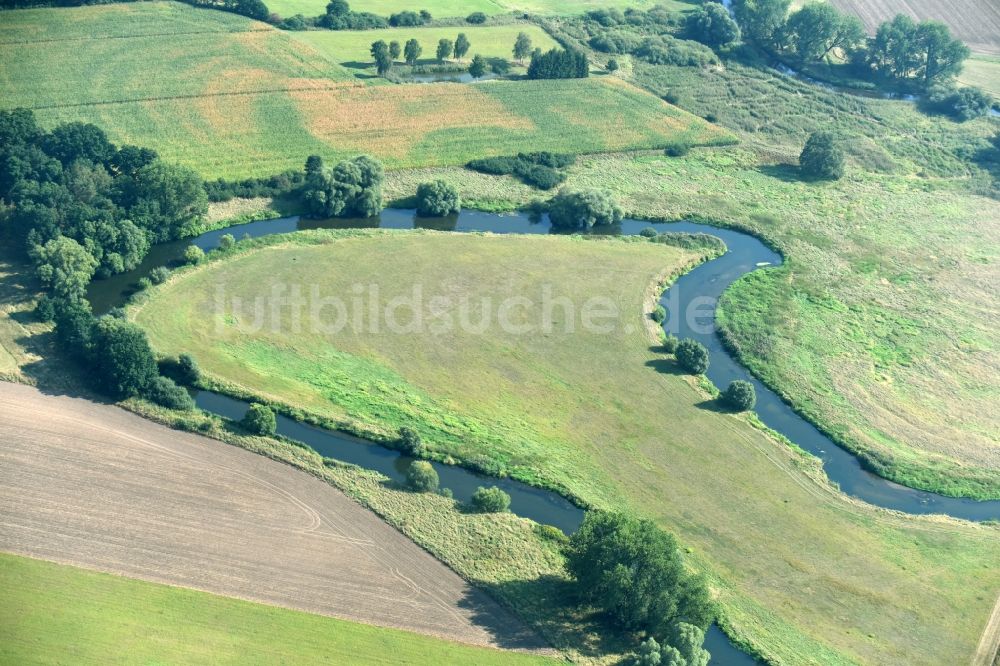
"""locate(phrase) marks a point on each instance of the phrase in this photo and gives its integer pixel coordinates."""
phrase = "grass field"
(836, 584)
(350, 48)
(52, 613)
(254, 103)
(976, 22)
(462, 8)
(983, 71)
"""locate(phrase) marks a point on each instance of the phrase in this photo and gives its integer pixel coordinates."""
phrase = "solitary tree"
(412, 51)
(395, 50)
(477, 68)
(462, 45)
(260, 420)
(822, 158)
(522, 46)
(420, 476)
(692, 356)
(739, 395)
(490, 500)
(410, 442)
(444, 49)
(193, 254)
(583, 209)
(437, 199)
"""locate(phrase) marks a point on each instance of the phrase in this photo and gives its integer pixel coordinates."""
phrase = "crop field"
(72, 615)
(982, 71)
(95, 486)
(837, 583)
(350, 48)
(976, 22)
(253, 103)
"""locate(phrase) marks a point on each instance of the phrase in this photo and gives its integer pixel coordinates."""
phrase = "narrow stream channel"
(690, 303)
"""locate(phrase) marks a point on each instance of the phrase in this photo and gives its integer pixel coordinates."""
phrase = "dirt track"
(976, 22)
(95, 486)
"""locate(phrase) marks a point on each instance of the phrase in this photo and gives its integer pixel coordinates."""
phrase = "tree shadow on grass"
(548, 604)
(666, 366)
(713, 406)
(788, 173)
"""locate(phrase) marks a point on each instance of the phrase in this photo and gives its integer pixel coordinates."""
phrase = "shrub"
(437, 199)
(692, 356)
(670, 344)
(659, 314)
(711, 24)
(613, 65)
(193, 254)
(551, 533)
(822, 158)
(143, 284)
(297, 22)
(260, 420)
(536, 169)
(540, 176)
(410, 442)
(45, 309)
(490, 500)
(421, 477)
(405, 19)
(583, 209)
(165, 392)
(226, 242)
(648, 232)
(739, 395)
(961, 104)
(159, 274)
(188, 370)
(677, 149)
(476, 18)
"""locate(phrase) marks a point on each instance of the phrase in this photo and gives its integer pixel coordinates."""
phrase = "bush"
(143, 284)
(159, 275)
(421, 477)
(45, 309)
(226, 242)
(260, 420)
(297, 22)
(476, 18)
(188, 371)
(692, 356)
(677, 149)
(405, 20)
(193, 254)
(437, 199)
(670, 344)
(711, 24)
(659, 314)
(165, 392)
(583, 209)
(551, 533)
(822, 158)
(613, 65)
(410, 442)
(648, 232)
(963, 104)
(739, 395)
(536, 169)
(490, 500)
(541, 176)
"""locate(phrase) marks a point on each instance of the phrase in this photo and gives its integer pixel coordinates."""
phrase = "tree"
(476, 18)
(425, 16)
(583, 209)
(314, 165)
(382, 55)
(78, 141)
(65, 267)
(522, 46)
(260, 420)
(395, 50)
(410, 442)
(943, 54)
(559, 64)
(444, 49)
(437, 199)
(193, 254)
(760, 20)
(420, 476)
(168, 200)
(688, 640)
(227, 242)
(405, 19)
(378, 47)
(499, 66)
(818, 28)
(712, 25)
(74, 326)
(613, 65)
(122, 361)
(822, 158)
(477, 68)
(412, 51)
(692, 356)
(338, 8)
(353, 188)
(490, 500)
(739, 395)
(165, 392)
(891, 52)
(926, 51)
(462, 45)
(634, 572)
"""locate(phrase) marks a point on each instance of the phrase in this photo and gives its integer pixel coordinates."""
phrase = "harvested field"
(976, 22)
(95, 486)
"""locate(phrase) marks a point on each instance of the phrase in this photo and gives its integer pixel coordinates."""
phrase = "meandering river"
(703, 285)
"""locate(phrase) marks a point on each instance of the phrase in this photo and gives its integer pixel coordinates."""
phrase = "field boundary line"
(22, 42)
(988, 650)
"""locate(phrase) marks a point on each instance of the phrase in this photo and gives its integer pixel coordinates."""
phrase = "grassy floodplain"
(462, 8)
(982, 71)
(54, 613)
(837, 583)
(351, 47)
(254, 102)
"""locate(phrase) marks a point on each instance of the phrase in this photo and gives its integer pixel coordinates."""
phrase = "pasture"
(976, 22)
(619, 429)
(437, 8)
(54, 613)
(982, 71)
(256, 102)
(350, 48)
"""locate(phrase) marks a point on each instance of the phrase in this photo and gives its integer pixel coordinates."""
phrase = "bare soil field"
(95, 486)
(976, 22)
